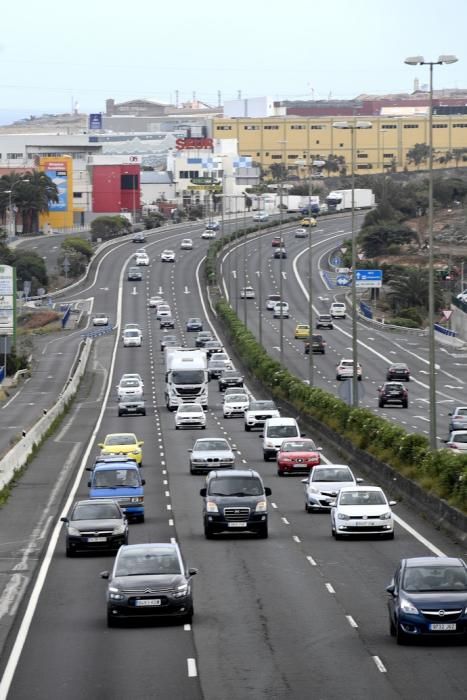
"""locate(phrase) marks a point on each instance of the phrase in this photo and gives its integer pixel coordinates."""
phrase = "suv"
(317, 345)
(230, 377)
(344, 370)
(324, 321)
(258, 412)
(393, 392)
(272, 300)
(134, 274)
(337, 310)
(129, 406)
(235, 501)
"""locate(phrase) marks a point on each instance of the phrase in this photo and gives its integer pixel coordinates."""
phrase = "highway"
(297, 615)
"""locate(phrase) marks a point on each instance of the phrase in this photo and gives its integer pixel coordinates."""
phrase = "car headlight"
(343, 516)
(181, 591)
(137, 499)
(269, 443)
(261, 506)
(119, 529)
(313, 489)
(385, 516)
(285, 459)
(74, 531)
(114, 594)
(211, 507)
(407, 607)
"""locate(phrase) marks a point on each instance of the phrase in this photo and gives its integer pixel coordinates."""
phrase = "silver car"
(211, 453)
(190, 415)
(235, 405)
(130, 389)
(324, 483)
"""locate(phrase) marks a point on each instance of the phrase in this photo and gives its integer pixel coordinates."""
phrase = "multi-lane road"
(297, 615)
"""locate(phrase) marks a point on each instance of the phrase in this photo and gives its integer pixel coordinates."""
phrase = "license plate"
(131, 409)
(367, 523)
(148, 603)
(237, 524)
(97, 539)
(443, 627)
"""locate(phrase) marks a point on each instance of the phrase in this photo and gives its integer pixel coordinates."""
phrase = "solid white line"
(192, 671)
(311, 560)
(379, 664)
(329, 587)
(187, 628)
(437, 552)
(351, 621)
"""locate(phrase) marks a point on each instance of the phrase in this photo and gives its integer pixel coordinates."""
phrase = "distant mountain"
(8, 116)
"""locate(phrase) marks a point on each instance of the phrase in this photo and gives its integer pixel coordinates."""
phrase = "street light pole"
(310, 290)
(414, 61)
(281, 259)
(245, 250)
(12, 221)
(353, 126)
(135, 181)
(260, 292)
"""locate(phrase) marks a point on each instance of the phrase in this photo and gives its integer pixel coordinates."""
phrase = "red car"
(276, 241)
(297, 455)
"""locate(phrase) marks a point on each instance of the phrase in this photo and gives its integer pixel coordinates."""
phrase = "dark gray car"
(97, 524)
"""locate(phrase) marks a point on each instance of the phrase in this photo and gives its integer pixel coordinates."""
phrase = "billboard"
(60, 170)
(7, 300)
(95, 121)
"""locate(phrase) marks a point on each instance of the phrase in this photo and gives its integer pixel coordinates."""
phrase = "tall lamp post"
(260, 291)
(281, 259)
(420, 61)
(10, 204)
(353, 127)
(310, 291)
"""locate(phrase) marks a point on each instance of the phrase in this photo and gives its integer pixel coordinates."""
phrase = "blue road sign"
(342, 280)
(336, 261)
(368, 278)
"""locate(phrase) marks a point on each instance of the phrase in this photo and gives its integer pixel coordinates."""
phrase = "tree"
(33, 198)
(409, 289)
(332, 164)
(457, 154)
(376, 239)
(78, 245)
(30, 266)
(107, 227)
(418, 154)
(278, 172)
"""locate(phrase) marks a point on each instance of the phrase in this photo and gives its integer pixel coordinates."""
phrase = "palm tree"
(409, 289)
(36, 197)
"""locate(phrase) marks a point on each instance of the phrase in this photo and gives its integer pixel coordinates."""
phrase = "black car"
(393, 392)
(212, 346)
(194, 324)
(95, 525)
(139, 237)
(202, 338)
(428, 598)
(325, 321)
(128, 407)
(169, 341)
(280, 253)
(398, 371)
(318, 344)
(134, 274)
(149, 580)
(230, 377)
(235, 501)
(167, 322)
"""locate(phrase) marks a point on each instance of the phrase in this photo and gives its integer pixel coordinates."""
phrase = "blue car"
(428, 598)
(212, 226)
(120, 479)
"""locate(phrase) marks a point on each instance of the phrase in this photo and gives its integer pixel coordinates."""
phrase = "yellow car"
(302, 331)
(126, 444)
(308, 221)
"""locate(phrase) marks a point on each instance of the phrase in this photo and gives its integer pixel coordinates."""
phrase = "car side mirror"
(393, 503)
(140, 443)
(319, 449)
(391, 588)
(450, 414)
(104, 574)
(64, 520)
(302, 434)
(304, 481)
(89, 469)
(267, 491)
(89, 483)
(143, 481)
(261, 435)
(445, 440)
(100, 444)
(190, 450)
(379, 388)
(192, 571)
(203, 492)
(359, 480)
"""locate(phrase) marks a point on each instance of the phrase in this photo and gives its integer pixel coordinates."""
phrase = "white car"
(362, 510)
(324, 483)
(132, 375)
(167, 256)
(154, 301)
(190, 415)
(186, 244)
(235, 404)
(129, 389)
(132, 327)
(281, 309)
(217, 364)
(258, 412)
(142, 259)
(132, 338)
(272, 300)
(208, 234)
(260, 216)
(100, 320)
(337, 310)
(163, 310)
(457, 441)
(247, 293)
(301, 233)
(345, 369)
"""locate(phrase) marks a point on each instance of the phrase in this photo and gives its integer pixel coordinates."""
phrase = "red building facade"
(116, 188)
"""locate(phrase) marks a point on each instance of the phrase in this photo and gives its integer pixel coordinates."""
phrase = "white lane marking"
(296, 538)
(379, 664)
(171, 523)
(311, 560)
(173, 540)
(168, 506)
(167, 494)
(329, 587)
(285, 521)
(192, 671)
(187, 628)
(437, 552)
(351, 621)
(274, 505)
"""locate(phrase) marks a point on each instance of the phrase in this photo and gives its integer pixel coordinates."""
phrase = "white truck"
(186, 377)
(341, 200)
(293, 202)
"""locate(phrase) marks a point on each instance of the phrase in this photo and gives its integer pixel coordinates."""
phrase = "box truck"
(186, 377)
(341, 200)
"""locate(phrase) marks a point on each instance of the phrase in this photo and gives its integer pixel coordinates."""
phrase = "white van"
(276, 430)
(337, 309)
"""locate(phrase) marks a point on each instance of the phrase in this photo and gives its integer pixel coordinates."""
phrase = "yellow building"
(298, 141)
(60, 170)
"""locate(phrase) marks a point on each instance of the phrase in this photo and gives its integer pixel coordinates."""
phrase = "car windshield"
(120, 440)
(114, 478)
(298, 446)
(96, 511)
(194, 320)
(190, 409)
(144, 562)
(188, 376)
(330, 474)
(398, 365)
(233, 398)
(203, 445)
(362, 498)
(131, 334)
(459, 437)
(235, 486)
(435, 578)
(282, 431)
(129, 382)
(262, 406)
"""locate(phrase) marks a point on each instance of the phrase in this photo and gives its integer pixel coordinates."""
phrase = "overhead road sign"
(368, 278)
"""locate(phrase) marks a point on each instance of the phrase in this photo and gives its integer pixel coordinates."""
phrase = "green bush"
(107, 227)
(406, 322)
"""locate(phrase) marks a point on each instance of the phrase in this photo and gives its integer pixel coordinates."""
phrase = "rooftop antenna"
(219, 98)
(239, 95)
(176, 98)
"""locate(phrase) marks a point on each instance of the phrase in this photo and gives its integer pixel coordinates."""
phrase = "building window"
(77, 195)
(298, 126)
(389, 126)
(459, 126)
(388, 155)
(251, 127)
(341, 145)
(224, 127)
(276, 157)
(271, 127)
(440, 126)
(410, 126)
(188, 174)
(316, 126)
(292, 157)
(267, 153)
(14, 156)
(364, 166)
(362, 155)
(317, 141)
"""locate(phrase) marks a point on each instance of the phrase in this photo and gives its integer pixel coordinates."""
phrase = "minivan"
(119, 479)
(276, 430)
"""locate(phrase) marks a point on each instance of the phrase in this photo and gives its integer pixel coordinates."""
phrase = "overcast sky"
(87, 51)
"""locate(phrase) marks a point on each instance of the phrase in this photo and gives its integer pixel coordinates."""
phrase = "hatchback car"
(132, 406)
(126, 444)
(212, 226)
(168, 256)
(229, 378)
(308, 221)
(302, 331)
(260, 216)
(428, 598)
(272, 300)
(247, 293)
(134, 275)
(130, 388)
(194, 324)
(280, 252)
(149, 580)
(132, 338)
(318, 344)
(163, 310)
(100, 320)
(235, 405)
(217, 364)
(299, 455)
(169, 340)
(301, 233)
(258, 412)
(324, 321)
(211, 453)
(142, 259)
(208, 233)
(186, 244)
(95, 525)
(345, 369)
(362, 510)
(393, 393)
(139, 237)
(457, 441)
(337, 310)
(276, 241)
(398, 371)
(458, 419)
(190, 415)
(324, 483)
(154, 301)
(235, 501)
(202, 338)
(281, 309)
(167, 322)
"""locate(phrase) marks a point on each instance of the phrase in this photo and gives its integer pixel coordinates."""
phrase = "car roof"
(280, 420)
(171, 546)
(362, 488)
(111, 466)
(331, 466)
(214, 473)
(94, 501)
(433, 561)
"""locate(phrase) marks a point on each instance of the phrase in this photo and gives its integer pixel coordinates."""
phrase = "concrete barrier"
(17, 457)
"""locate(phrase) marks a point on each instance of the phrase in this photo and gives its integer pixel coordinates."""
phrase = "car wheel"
(188, 618)
(359, 379)
(266, 456)
(247, 428)
(338, 378)
(308, 508)
(401, 637)
(111, 621)
(120, 413)
(203, 427)
(392, 628)
(141, 518)
(263, 532)
(143, 413)
(280, 473)
(405, 404)
(323, 352)
(70, 552)
(208, 533)
(176, 427)
(381, 404)
(389, 536)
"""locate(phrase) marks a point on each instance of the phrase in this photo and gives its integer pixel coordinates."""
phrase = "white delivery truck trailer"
(186, 377)
(341, 200)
